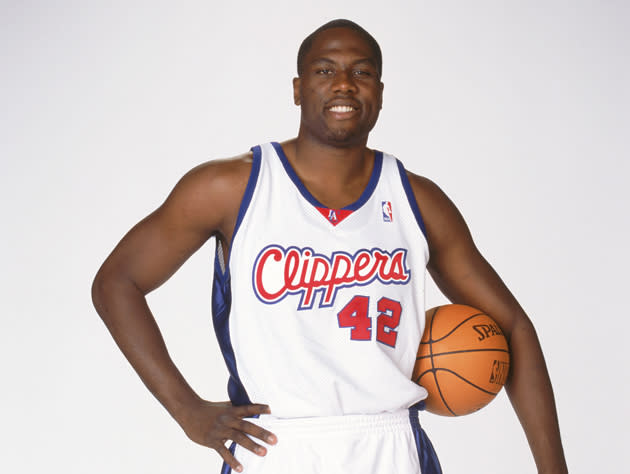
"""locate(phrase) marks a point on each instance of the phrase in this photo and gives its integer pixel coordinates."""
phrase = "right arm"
(465, 277)
(203, 204)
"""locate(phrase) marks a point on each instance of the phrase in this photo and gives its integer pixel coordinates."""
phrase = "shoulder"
(210, 194)
(422, 185)
(219, 175)
(428, 194)
(443, 221)
(215, 178)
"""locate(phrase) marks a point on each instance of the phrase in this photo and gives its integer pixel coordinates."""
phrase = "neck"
(342, 163)
(336, 176)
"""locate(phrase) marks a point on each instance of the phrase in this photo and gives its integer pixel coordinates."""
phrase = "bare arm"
(204, 203)
(465, 277)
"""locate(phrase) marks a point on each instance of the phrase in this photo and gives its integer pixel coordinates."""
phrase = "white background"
(519, 110)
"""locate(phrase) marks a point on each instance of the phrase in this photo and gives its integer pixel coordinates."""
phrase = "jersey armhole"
(411, 198)
(220, 265)
(222, 292)
(249, 192)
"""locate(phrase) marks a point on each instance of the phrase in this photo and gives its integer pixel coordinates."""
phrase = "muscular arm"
(204, 203)
(465, 277)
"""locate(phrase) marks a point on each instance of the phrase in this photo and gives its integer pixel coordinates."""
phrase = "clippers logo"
(332, 216)
(388, 215)
(279, 272)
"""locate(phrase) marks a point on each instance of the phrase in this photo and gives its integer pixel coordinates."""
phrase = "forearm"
(531, 395)
(125, 312)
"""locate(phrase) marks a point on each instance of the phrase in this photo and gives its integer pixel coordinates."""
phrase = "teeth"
(341, 108)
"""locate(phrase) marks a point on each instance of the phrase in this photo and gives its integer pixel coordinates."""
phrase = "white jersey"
(319, 312)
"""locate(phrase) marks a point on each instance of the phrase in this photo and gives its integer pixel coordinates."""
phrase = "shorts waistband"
(330, 425)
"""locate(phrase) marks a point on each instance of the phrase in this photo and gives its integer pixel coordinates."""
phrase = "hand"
(212, 424)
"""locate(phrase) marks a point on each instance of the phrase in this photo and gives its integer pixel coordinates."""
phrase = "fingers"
(254, 430)
(245, 411)
(246, 442)
(212, 424)
(240, 429)
(251, 428)
(229, 458)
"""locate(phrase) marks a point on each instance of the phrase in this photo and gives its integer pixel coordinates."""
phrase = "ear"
(296, 90)
(380, 105)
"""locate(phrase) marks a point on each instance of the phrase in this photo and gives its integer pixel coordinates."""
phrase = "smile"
(340, 109)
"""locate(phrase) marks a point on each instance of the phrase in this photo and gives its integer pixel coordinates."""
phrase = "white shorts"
(353, 444)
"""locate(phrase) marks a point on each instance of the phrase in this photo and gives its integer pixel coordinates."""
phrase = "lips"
(341, 106)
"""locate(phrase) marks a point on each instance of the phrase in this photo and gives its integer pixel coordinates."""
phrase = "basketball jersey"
(318, 311)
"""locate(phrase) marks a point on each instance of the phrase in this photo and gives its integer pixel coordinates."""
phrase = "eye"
(362, 72)
(323, 71)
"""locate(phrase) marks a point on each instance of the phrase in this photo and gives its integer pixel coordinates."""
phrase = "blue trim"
(222, 294)
(429, 462)
(411, 197)
(249, 191)
(367, 192)
(221, 304)
(420, 406)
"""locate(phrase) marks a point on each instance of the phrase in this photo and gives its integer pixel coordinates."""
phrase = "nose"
(344, 82)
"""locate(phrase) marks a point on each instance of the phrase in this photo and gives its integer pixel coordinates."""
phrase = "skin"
(331, 158)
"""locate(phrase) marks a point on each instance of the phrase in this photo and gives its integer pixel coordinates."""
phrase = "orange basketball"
(463, 360)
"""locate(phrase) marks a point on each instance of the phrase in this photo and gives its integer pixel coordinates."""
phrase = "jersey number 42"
(355, 315)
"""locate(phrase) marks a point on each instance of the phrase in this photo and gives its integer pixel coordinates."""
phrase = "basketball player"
(319, 289)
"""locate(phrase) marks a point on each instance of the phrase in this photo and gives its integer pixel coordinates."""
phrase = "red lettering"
(387, 321)
(313, 281)
(337, 278)
(302, 270)
(398, 271)
(291, 266)
(276, 254)
(355, 315)
(362, 261)
(305, 262)
(381, 264)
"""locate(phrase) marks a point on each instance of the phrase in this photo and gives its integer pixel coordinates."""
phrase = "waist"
(337, 425)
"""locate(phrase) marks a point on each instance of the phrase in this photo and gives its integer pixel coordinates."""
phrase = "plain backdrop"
(517, 109)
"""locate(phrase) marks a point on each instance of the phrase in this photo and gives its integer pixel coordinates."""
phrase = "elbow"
(107, 287)
(97, 290)
(101, 286)
(523, 328)
(113, 289)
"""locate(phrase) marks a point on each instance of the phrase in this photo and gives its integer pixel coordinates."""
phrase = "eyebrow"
(326, 60)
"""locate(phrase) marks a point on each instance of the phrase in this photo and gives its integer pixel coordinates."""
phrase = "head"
(339, 86)
(307, 44)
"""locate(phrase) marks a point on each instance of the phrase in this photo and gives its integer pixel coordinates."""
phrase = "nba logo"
(387, 211)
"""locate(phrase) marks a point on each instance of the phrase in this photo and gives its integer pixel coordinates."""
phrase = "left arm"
(465, 277)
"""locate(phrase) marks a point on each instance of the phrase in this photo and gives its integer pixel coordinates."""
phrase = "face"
(339, 90)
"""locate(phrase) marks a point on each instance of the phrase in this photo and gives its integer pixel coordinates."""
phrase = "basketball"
(463, 360)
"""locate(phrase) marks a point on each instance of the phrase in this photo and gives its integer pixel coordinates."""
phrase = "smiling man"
(318, 296)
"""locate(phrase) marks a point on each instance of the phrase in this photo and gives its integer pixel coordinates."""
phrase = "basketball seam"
(459, 352)
(433, 370)
(466, 380)
(454, 329)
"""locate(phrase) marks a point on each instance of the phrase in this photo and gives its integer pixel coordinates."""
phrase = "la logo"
(332, 215)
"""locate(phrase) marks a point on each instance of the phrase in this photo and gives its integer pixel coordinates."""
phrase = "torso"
(299, 339)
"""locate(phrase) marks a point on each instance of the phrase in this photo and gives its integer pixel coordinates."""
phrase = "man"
(321, 249)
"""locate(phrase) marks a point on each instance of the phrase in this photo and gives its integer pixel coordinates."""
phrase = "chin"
(344, 138)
